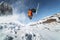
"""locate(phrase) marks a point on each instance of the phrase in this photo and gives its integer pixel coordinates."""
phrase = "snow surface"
(13, 30)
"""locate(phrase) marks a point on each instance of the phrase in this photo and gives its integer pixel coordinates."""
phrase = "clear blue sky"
(46, 7)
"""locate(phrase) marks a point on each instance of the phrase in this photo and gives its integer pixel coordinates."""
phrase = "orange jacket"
(30, 13)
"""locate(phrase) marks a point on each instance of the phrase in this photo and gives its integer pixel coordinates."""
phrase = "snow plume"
(19, 9)
(19, 6)
(21, 17)
(19, 13)
(15, 18)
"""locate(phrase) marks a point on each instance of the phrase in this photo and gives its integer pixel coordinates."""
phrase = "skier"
(31, 11)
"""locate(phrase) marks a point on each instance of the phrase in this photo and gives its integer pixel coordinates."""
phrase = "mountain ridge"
(53, 18)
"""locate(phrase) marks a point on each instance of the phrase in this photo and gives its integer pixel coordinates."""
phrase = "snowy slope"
(46, 29)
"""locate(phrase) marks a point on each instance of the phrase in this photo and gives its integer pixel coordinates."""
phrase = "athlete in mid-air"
(31, 11)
